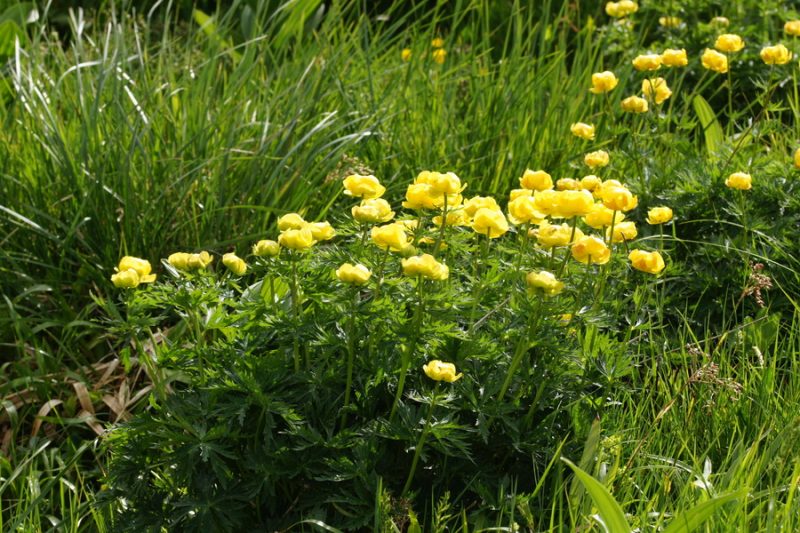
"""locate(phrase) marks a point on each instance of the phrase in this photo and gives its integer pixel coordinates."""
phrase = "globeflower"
(446, 184)
(546, 281)
(573, 203)
(406, 54)
(353, 274)
(649, 262)
(186, 261)
(591, 250)
(266, 248)
(713, 60)
(661, 92)
(297, 239)
(291, 221)
(126, 279)
(619, 199)
(674, 58)
(659, 215)
(522, 210)
(516, 193)
(421, 196)
(391, 236)
(556, 235)
(372, 211)
(600, 217)
(722, 22)
(583, 130)
(568, 184)
(590, 182)
(322, 231)
(234, 263)
(792, 27)
(797, 158)
(670, 22)
(729, 42)
(620, 9)
(362, 187)
(623, 232)
(634, 104)
(439, 55)
(490, 222)
(775, 55)
(438, 42)
(603, 82)
(536, 180)
(425, 265)
(596, 159)
(140, 266)
(739, 180)
(439, 371)
(647, 62)
(472, 205)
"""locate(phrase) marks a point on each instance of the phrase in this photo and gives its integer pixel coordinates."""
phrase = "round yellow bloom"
(438, 42)
(536, 180)
(546, 202)
(649, 262)
(291, 221)
(624, 231)
(634, 104)
(455, 217)
(596, 159)
(490, 222)
(440, 183)
(421, 196)
(439, 371)
(406, 54)
(234, 263)
(603, 82)
(372, 211)
(353, 274)
(590, 182)
(472, 205)
(322, 231)
(362, 187)
(600, 217)
(546, 281)
(297, 239)
(775, 55)
(516, 193)
(439, 55)
(647, 62)
(740, 180)
(729, 42)
(583, 130)
(661, 92)
(670, 22)
(126, 279)
(674, 58)
(713, 60)
(141, 266)
(425, 265)
(797, 158)
(568, 184)
(186, 261)
(266, 248)
(555, 235)
(590, 249)
(659, 215)
(792, 27)
(623, 8)
(522, 210)
(391, 236)
(573, 203)
(619, 199)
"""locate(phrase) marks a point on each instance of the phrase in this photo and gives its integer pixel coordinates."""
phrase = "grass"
(134, 132)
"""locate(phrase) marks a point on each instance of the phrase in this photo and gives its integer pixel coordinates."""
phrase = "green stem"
(478, 292)
(420, 443)
(440, 238)
(351, 351)
(295, 316)
(410, 348)
(519, 351)
(569, 247)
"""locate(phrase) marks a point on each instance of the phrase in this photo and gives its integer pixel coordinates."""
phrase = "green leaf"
(9, 32)
(611, 513)
(712, 130)
(209, 27)
(694, 517)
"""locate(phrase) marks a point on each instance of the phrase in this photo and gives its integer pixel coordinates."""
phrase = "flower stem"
(420, 442)
(410, 347)
(351, 350)
(295, 316)
(522, 347)
(440, 238)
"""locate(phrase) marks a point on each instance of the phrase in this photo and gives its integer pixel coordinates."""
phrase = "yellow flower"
(729, 42)
(439, 55)
(297, 239)
(439, 371)
(634, 104)
(624, 231)
(619, 199)
(456, 217)
(596, 159)
(573, 203)
(659, 215)
(740, 180)
(425, 265)
(406, 54)
(546, 281)
(722, 22)
(603, 82)
(775, 55)
(373, 211)
(649, 262)
(600, 217)
(126, 279)
(622, 8)
(266, 248)
(472, 205)
(440, 183)
(590, 182)
(661, 93)
(797, 158)
(186, 261)
(516, 193)
(536, 180)
(438, 42)
(421, 196)
(583, 130)
(670, 22)
(322, 231)
(234, 263)
(291, 221)
(522, 210)
(353, 274)
(568, 184)
(391, 236)
(647, 62)
(490, 222)
(674, 58)
(713, 60)
(362, 187)
(590, 249)
(555, 235)
(141, 266)
(792, 27)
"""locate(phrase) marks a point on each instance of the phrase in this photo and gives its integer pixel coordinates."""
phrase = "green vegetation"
(666, 401)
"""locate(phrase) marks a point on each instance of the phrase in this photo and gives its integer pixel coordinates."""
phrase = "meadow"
(446, 266)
